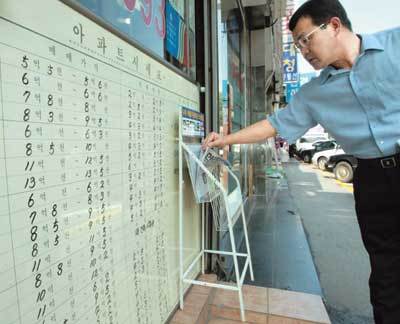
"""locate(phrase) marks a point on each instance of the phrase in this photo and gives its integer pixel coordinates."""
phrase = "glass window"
(232, 58)
(180, 35)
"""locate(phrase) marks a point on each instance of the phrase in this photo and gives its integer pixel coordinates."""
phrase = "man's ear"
(336, 24)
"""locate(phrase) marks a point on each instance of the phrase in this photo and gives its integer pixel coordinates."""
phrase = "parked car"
(302, 151)
(343, 166)
(319, 146)
(319, 159)
(304, 143)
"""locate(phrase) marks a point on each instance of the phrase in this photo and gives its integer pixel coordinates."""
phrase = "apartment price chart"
(88, 189)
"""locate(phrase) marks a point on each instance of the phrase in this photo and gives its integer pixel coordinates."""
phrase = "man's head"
(318, 28)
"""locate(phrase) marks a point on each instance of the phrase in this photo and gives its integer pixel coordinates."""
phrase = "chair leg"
(202, 239)
(242, 313)
(237, 273)
(247, 244)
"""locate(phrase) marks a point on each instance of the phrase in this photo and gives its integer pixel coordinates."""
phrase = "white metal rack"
(227, 208)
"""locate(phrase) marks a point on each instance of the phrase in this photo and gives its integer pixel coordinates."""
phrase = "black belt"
(386, 162)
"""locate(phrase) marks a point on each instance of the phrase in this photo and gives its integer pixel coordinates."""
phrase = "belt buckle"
(388, 162)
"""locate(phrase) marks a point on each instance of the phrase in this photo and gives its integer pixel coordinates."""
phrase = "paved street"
(326, 208)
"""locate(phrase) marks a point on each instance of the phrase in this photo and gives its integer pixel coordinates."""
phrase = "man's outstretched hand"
(213, 140)
(254, 133)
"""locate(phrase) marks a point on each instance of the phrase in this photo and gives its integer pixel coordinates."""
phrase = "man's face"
(321, 44)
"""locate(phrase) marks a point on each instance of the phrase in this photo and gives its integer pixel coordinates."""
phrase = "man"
(356, 99)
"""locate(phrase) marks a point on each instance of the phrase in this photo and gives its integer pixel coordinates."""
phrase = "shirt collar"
(368, 42)
(329, 71)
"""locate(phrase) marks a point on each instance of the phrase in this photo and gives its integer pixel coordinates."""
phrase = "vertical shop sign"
(289, 55)
(289, 63)
(291, 90)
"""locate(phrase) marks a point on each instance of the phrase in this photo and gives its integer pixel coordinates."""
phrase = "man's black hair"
(320, 12)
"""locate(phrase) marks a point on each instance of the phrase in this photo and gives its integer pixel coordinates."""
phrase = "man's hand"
(213, 140)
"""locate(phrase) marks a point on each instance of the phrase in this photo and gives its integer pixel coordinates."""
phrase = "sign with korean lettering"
(290, 9)
(291, 90)
(88, 173)
(289, 54)
(289, 63)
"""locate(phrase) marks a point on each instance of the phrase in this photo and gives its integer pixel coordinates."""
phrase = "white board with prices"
(88, 172)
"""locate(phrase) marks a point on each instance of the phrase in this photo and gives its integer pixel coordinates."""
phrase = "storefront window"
(165, 27)
(232, 58)
(180, 38)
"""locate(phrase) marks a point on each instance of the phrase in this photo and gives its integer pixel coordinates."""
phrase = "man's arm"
(291, 123)
(252, 134)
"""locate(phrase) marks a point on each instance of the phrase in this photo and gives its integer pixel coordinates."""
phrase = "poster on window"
(141, 20)
(176, 37)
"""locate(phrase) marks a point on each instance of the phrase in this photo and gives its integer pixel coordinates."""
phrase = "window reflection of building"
(232, 44)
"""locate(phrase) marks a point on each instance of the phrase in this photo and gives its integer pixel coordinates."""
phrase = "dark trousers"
(377, 197)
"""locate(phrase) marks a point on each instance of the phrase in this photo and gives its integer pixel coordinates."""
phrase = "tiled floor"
(204, 305)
